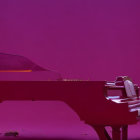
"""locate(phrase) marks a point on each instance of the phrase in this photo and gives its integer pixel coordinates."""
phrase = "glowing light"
(15, 70)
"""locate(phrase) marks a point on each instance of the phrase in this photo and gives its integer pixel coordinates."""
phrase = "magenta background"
(85, 39)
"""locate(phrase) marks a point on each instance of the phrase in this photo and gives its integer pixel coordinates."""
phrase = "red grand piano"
(90, 99)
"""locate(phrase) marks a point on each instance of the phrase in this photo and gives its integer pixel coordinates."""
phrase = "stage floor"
(47, 120)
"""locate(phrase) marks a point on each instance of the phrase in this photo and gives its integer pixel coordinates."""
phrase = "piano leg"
(124, 132)
(116, 133)
(102, 133)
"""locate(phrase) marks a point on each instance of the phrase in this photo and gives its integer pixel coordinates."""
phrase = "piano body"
(21, 79)
(89, 99)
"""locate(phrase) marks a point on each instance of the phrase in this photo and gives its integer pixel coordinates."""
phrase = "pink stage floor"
(47, 120)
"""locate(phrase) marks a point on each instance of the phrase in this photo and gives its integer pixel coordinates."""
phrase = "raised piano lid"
(17, 62)
(20, 68)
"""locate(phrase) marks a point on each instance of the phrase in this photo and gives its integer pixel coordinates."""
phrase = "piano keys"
(129, 95)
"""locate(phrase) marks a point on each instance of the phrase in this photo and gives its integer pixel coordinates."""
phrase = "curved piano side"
(85, 97)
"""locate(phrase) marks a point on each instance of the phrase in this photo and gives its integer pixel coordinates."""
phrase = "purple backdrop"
(85, 39)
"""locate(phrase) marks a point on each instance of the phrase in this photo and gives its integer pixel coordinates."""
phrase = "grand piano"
(90, 99)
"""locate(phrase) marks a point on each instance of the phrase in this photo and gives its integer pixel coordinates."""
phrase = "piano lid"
(17, 62)
(19, 68)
